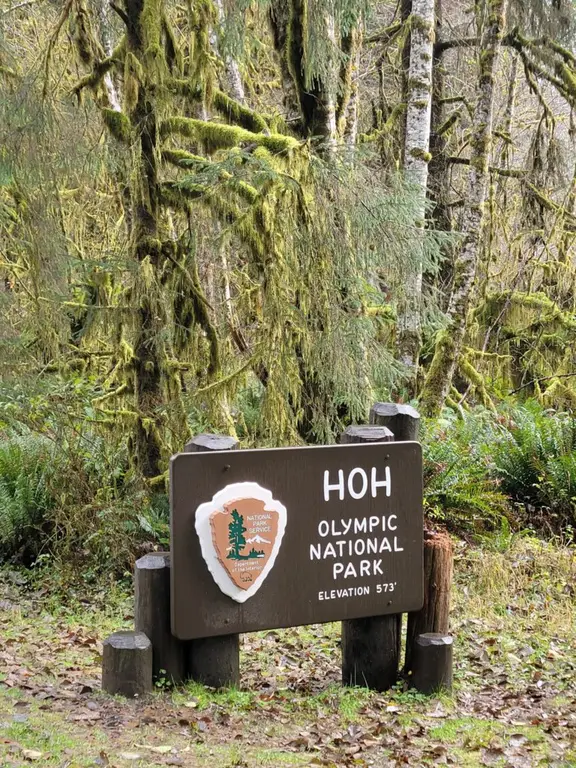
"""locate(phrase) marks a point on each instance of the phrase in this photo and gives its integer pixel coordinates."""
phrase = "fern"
(25, 497)
(459, 487)
(535, 460)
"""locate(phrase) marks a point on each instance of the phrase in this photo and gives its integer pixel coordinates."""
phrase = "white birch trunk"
(102, 10)
(233, 76)
(330, 131)
(416, 159)
(447, 352)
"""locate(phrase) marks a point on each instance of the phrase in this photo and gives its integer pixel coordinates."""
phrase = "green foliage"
(505, 471)
(535, 459)
(460, 489)
(25, 496)
(67, 494)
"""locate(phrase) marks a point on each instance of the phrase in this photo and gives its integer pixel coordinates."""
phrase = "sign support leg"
(371, 647)
(213, 661)
(152, 616)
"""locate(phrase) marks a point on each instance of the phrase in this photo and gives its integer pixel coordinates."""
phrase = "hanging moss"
(173, 52)
(493, 304)
(118, 125)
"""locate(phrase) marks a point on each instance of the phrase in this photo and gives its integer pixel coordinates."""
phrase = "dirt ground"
(514, 701)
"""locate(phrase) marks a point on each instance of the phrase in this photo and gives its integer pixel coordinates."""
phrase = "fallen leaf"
(161, 750)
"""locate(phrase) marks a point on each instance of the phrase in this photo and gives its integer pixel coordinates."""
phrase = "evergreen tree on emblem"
(236, 538)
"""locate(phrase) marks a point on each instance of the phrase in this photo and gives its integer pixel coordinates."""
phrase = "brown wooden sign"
(277, 538)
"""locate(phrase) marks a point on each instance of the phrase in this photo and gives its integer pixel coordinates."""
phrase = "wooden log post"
(435, 614)
(152, 616)
(370, 646)
(432, 663)
(402, 420)
(127, 664)
(378, 637)
(213, 661)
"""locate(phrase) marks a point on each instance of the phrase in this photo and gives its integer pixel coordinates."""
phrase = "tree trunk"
(416, 159)
(449, 343)
(347, 111)
(438, 170)
(316, 93)
(233, 76)
(102, 11)
(143, 34)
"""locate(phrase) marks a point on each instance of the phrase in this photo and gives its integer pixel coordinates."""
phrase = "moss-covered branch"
(214, 136)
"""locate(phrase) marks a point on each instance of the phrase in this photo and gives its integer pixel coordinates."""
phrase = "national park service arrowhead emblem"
(240, 533)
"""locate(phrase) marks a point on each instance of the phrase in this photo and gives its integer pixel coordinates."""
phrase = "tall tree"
(449, 344)
(416, 159)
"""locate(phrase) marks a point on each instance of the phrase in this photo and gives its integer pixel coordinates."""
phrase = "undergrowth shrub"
(460, 489)
(68, 498)
(26, 463)
(535, 462)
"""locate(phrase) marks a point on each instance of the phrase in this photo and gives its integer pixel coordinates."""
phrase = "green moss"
(215, 136)
(237, 113)
(420, 154)
(449, 123)
(444, 355)
(184, 159)
(118, 125)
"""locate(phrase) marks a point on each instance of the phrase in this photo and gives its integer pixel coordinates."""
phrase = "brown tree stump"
(432, 663)
(435, 614)
(213, 661)
(127, 664)
(152, 615)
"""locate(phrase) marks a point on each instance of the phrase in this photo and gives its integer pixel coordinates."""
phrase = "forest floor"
(514, 702)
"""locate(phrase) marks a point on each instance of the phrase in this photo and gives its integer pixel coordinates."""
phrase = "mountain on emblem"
(240, 533)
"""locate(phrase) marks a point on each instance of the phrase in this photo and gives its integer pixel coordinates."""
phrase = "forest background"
(258, 218)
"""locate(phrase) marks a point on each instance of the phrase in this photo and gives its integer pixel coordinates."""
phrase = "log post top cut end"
(206, 442)
(434, 638)
(128, 640)
(153, 561)
(387, 410)
(367, 433)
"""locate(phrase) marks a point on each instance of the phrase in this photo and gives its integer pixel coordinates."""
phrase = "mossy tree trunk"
(143, 42)
(416, 159)
(449, 344)
(438, 170)
(316, 91)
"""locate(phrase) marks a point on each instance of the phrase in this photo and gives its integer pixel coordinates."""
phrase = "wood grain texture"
(127, 664)
(371, 647)
(300, 588)
(435, 614)
(213, 661)
(152, 615)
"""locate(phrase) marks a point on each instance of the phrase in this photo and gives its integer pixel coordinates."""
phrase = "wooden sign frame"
(351, 547)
